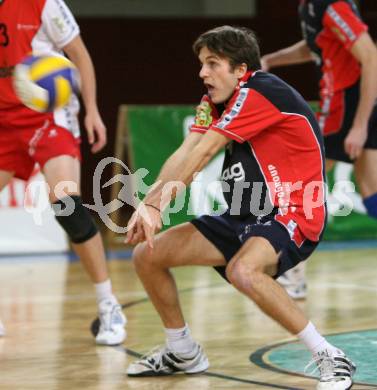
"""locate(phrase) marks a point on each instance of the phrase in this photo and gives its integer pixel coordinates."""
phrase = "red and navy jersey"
(330, 28)
(275, 164)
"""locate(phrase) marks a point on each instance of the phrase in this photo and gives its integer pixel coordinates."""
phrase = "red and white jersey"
(330, 28)
(38, 26)
(275, 164)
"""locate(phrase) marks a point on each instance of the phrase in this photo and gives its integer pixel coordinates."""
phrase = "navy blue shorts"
(228, 234)
(334, 143)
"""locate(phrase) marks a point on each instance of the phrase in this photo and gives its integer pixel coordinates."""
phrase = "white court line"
(67, 298)
(342, 286)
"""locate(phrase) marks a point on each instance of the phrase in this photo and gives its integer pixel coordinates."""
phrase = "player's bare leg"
(2, 329)
(366, 172)
(250, 272)
(66, 169)
(63, 177)
(5, 178)
(178, 246)
(153, 267)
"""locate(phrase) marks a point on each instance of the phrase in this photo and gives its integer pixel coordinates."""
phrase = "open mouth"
(209, 87)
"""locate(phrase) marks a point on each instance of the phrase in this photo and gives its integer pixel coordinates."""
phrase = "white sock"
(313, 340)
(104, 290)
(180, 340)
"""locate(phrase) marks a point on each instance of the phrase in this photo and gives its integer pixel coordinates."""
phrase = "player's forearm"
(295, 54)
(368, 91)
(178, 168)
(89, 86)
(191, 157)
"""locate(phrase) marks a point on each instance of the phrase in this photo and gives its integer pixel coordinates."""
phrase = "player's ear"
(240, 70)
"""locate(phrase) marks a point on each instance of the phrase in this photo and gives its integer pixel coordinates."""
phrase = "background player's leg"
(91, 252)
(2, 329)
(5, 178)
(63, 177)
(294, 281)
(366, 172)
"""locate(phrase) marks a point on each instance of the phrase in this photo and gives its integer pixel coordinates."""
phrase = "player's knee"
(138, 254)
(370, 204)
(75, 219)
(244, 275)
(237, 272)
(231, 271)
(143, 259)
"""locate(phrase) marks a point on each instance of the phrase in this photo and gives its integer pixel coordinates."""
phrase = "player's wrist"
(153, 207)
(360, 126)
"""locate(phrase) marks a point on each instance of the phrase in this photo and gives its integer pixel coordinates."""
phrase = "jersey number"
(4, 38)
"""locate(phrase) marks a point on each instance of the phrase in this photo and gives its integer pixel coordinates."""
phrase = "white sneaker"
(2, 329)
(162, 361)
(294, 282)
(335, 370)
(112, 323)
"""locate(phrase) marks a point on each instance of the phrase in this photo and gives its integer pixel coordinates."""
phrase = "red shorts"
(27, 138)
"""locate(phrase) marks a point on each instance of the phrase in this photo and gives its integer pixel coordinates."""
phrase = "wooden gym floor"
(47, 305)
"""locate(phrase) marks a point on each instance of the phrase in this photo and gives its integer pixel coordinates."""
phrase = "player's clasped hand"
(143, 225)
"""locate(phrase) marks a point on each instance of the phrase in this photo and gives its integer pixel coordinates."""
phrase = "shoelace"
(154, 356)
(325, 364)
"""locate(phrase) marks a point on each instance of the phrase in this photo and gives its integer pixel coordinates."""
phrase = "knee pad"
(75, 219)
(370, 204)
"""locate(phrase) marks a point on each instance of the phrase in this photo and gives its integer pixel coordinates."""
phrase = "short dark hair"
(238, 44)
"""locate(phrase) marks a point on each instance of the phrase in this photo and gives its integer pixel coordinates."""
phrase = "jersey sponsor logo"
(21, 26)
(234, 172)
(66, 17)
(281, 190)
(33, 143)
(59, 23)
(344, 26)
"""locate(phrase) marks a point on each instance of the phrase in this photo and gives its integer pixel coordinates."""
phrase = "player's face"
(218, 76)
